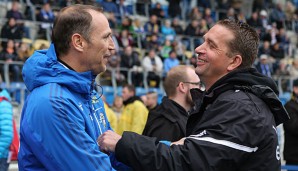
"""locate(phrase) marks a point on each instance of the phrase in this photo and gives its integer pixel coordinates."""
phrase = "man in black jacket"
(234, 128)
(168, 120)
(291, 127)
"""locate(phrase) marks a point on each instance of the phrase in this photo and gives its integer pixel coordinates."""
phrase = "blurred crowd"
(152, 36)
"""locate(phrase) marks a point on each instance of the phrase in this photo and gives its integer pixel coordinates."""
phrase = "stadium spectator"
(284, 41)
(265, 48)
(216, 136)
(15, 13)
(152, 26)
(186, 4)
(126, 24)
(168, 120)
(9, 54)
(46, 17)
(165, 49)
(195, 14)
(255, 21)
(110, 6)
(123, 9)
(204, 27)
(174, 9)
(153, 65)
(6, 129)
(204, 4)
(138, 26)
(152, 42)
(293, 70)
(130, 60)
(277, 52)
(125, 39)
(112, 20)
(63, 104)
(177, 26)
(209, 17)
(231, 14)
(117, 106)
(150, 100)
(170, 62)
(138, 32)
(223, 6)
(290, 128)
(25, 50)
(192, 31)
(11, 31)
(259, 5)
(158, 11)
(264, 18)
(134, 115)
(290, 14)
(278, 16)
(167, 31)
(112, 117)
(263, 66)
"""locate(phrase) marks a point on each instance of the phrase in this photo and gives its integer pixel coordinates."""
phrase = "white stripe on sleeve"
(226, 143)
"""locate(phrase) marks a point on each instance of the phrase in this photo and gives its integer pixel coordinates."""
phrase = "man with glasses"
(234, 128)
(168, 120)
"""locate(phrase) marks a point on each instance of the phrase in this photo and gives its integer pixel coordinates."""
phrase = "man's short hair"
(174, 77)
(130, 87)
(72, 19)
(245, 42)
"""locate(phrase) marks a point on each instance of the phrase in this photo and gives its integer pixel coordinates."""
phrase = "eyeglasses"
(193, 83)
(200, 84)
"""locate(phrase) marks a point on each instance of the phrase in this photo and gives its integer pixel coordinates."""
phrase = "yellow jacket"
(133, 118)
(111, 116)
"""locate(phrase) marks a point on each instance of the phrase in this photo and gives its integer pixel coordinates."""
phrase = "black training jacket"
(234, 129)
(166, 118)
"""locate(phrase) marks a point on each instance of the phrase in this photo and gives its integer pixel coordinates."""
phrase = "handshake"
(109, 139)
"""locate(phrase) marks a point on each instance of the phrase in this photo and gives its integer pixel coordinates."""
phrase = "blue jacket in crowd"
(61, 119)
(6, 131)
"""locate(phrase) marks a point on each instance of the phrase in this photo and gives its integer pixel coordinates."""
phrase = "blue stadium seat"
(108, 92)
(140, 91)
(16, 89)
(289, 167)
(285, 97)
(159, 92)
(119, 91)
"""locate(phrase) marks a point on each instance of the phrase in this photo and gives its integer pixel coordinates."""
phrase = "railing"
(6, 70)
(280, 81)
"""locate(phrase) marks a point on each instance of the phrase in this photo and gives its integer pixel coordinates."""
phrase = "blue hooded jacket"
(6, 129)
(61, 119)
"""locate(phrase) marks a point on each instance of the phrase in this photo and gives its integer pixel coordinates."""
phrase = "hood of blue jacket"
(43, 68)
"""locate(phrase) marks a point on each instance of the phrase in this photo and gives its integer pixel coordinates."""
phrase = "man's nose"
(111, 44)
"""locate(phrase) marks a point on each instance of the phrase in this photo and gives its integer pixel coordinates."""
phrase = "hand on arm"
(179, 142)
(108, 140)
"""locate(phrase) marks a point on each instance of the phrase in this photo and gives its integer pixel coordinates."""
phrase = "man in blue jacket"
(63, 115)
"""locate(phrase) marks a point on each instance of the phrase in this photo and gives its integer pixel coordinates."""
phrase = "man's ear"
(181, 87)
(235, 62)
(77, 42)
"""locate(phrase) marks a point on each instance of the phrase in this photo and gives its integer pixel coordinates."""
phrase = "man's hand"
(107, 141)
(179, 142)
